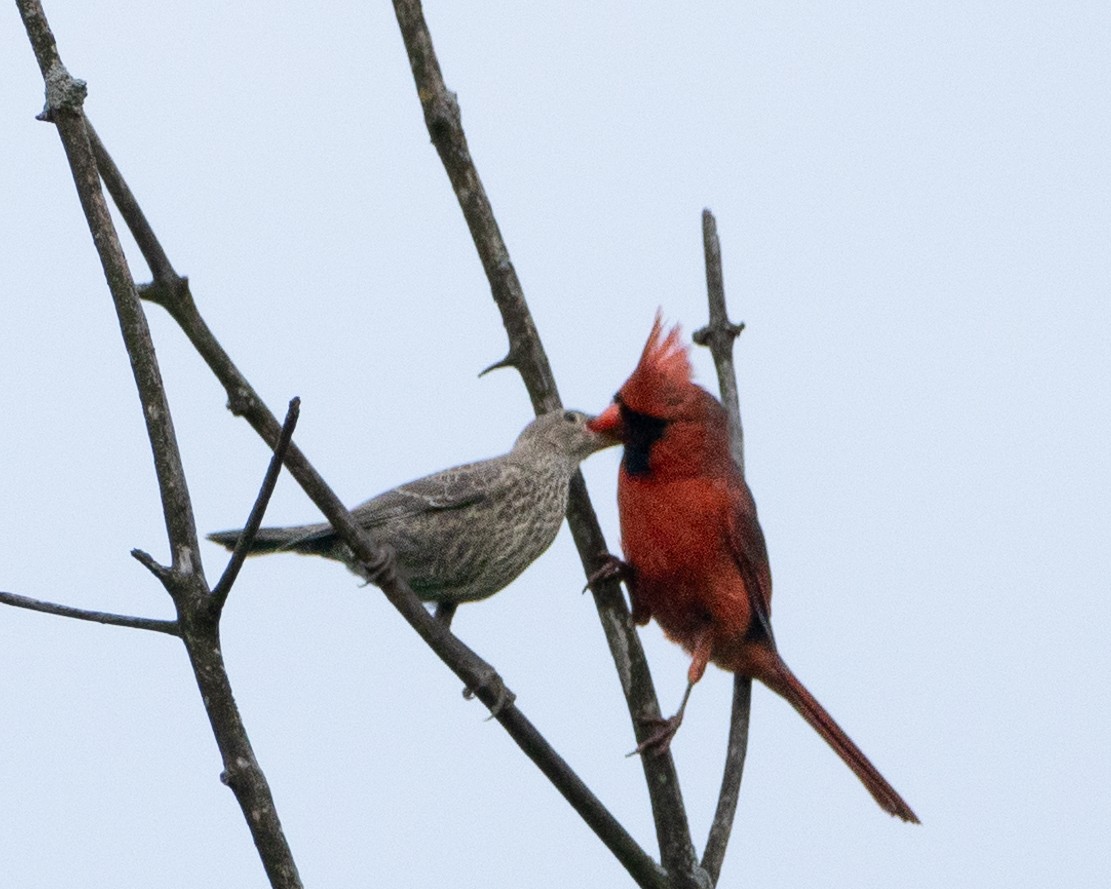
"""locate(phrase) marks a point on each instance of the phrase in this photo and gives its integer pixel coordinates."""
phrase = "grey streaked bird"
(465, 533)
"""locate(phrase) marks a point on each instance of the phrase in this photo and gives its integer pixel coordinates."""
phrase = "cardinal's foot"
(612, 568)
(659, 741)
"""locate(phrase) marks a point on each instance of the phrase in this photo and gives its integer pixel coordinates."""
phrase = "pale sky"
(915, 211)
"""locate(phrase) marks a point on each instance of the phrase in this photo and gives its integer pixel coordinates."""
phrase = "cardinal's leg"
(658, 742)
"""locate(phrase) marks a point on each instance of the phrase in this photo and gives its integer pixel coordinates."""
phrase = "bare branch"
(722, 826)
(254, 520)
(170, 627)
(625, 849)
(441, 115)
(719, 336)
(185, 580)
(64, 99)
(526, 353)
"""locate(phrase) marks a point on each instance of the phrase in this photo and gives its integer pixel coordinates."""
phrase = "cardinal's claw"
(612, 568)
(659, 742)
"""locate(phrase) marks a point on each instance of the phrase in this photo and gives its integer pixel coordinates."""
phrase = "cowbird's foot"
(493, 684)
(445, 611)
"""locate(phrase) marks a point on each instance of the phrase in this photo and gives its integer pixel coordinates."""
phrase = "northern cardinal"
(465, 533)
(695, 557)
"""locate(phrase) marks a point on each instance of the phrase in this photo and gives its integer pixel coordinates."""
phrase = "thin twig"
(160, 571)
(526, 354)
(254, 520)
(719, 336)
(157, 260)
(170, 627)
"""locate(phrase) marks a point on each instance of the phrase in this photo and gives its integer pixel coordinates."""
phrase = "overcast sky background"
(914, 210)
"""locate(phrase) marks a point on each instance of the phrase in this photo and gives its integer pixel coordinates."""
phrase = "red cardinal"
(695, 558)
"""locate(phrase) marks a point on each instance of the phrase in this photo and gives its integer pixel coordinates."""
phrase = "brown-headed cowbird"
(465, 533)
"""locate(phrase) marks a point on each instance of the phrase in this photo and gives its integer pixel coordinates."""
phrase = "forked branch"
(170, 627)
(184, 579)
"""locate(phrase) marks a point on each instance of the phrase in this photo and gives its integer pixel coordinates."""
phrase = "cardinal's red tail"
(779, 678)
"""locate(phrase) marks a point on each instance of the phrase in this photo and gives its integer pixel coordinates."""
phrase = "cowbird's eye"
(572, 416)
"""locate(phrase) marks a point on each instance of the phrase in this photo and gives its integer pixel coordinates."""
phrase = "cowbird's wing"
(452, 489)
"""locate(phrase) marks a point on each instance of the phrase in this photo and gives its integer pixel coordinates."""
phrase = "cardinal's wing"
(750, 552)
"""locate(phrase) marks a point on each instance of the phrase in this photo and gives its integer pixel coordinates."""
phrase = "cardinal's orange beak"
(608, 423)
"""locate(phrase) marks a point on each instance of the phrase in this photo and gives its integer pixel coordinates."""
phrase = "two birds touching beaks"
(694, 552)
